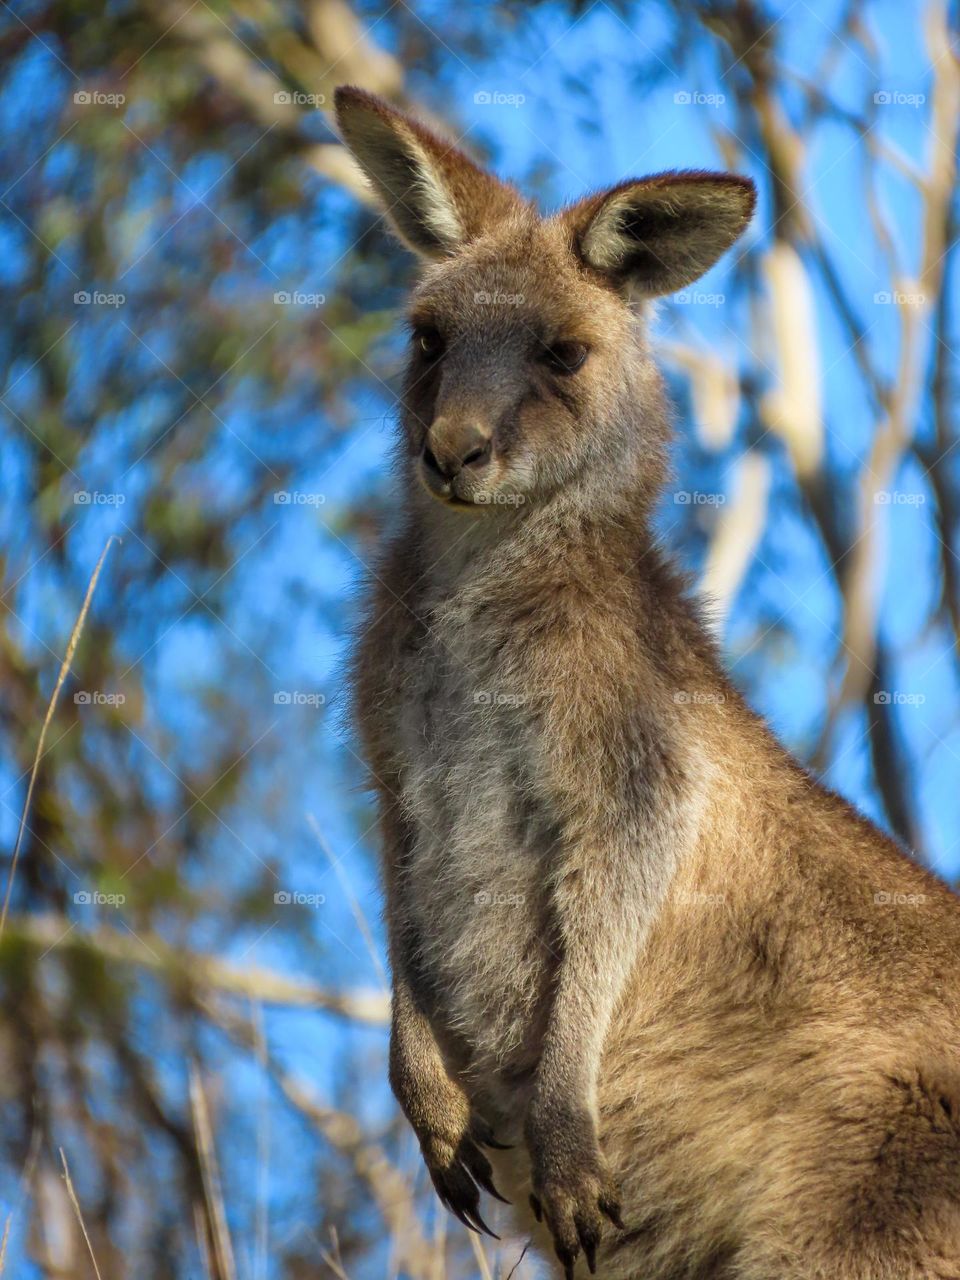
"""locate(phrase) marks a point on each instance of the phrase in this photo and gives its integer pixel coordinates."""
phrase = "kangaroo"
(682, 1006)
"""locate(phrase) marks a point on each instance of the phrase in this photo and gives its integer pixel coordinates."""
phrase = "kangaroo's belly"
(474, 902)
(472, 892)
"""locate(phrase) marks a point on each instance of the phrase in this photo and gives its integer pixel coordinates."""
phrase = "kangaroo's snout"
(454, 446)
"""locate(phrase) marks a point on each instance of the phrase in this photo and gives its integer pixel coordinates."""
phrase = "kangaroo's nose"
(447, 453)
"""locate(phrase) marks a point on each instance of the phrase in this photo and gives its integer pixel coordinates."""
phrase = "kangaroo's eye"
(565, 357)
(429, 342)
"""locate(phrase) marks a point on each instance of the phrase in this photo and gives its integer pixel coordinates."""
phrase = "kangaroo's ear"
(660, 234)
(435, 196)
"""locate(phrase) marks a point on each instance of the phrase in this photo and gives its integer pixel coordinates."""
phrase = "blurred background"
(201, 353)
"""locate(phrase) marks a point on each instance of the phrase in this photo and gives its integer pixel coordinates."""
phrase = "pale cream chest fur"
(473, 895)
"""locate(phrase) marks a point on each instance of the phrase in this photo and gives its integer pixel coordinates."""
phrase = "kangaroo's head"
(528, 368)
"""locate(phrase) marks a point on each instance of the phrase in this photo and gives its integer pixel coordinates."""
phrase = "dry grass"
(51, 707)
(69, 1181)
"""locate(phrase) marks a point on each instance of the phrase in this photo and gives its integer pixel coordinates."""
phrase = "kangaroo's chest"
(472, 893)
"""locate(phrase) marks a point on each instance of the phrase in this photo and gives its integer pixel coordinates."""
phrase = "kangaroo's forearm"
(416, 1062)
(616, 789)
(433, 1102)
(417, 1070)
(600, 906)
(618, 793)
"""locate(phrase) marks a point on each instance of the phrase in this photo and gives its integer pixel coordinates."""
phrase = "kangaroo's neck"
(590, 561)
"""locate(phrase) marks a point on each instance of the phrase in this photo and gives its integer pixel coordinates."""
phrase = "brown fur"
(714, 1012)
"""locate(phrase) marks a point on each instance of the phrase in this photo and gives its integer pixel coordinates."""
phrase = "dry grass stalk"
(69, 1181)
(390, 1191)
(61, 677)
(216, 1214)
(4, 1241)
(482, 1265)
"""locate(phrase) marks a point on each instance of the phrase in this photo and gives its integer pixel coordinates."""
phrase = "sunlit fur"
(629, 935)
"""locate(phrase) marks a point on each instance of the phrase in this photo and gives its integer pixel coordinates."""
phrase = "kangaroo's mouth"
(451, 500)
(457, 492)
